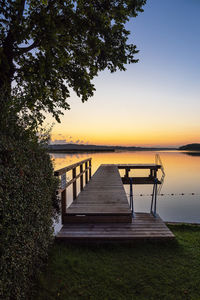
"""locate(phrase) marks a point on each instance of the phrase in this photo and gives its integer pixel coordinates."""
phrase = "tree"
(28, 205)
(50, 46)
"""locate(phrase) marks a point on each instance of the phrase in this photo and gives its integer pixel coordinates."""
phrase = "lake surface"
(179, 200)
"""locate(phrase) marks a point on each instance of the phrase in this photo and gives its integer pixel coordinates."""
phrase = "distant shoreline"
(74, 148)
(81, 148)
(78, 151)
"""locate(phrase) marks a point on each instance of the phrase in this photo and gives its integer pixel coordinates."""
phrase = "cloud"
(59, 141)
(70, 140)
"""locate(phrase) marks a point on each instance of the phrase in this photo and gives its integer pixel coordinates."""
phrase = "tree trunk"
(7, 70)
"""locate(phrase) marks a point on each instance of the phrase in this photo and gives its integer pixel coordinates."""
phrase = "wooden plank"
(96, 232)
(111, 226)
(139, 166)
(106, 209)
(140, 180)
(97, 219)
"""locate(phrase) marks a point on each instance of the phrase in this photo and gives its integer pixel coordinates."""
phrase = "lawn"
(136, 271)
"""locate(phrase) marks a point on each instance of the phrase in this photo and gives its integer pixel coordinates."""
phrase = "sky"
(155, 102)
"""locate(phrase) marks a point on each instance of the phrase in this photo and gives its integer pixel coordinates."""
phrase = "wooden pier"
(101, 211)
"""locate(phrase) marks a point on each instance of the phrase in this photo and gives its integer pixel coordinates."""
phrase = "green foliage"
(48, 47)
(27, 207)
(139, 271)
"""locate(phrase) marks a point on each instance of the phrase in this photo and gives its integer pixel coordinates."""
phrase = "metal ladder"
(156, 190)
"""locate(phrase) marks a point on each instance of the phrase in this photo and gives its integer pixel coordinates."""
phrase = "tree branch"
(4, 21)
(27, 49)
(21, 9)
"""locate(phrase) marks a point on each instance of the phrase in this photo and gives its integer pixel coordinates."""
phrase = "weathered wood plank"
(139, 166)
(97, 219)
(140, 180)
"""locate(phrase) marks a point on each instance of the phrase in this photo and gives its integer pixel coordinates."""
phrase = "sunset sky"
(155, 102)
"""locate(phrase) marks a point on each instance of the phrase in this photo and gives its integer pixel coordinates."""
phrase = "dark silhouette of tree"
(50, 46)
(190, 147)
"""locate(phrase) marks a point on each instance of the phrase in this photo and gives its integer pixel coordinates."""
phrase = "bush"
(27, 207)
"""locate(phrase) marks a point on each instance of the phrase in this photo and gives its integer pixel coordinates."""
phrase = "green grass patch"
(135, 271)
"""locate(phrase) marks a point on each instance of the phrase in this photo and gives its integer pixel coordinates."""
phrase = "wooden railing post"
(74, 183)
(86, 173)
(127, 172)
(90, 170)
(81, 177)
(63, 204)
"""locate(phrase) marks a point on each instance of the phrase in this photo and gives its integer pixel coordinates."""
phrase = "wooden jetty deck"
(102, 200)
(101, 211)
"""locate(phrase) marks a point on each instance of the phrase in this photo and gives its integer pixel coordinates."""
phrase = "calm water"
(182, 177)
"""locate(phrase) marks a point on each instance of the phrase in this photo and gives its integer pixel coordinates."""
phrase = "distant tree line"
(190, 147)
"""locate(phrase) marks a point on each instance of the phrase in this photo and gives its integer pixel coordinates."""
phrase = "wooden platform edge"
(144, 227)
(103, 240)
(90, 218)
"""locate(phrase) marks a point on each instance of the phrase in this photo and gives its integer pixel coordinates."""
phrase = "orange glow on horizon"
(154, 102)
(145, 140)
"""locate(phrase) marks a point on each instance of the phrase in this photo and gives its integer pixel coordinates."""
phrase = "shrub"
(27, 207)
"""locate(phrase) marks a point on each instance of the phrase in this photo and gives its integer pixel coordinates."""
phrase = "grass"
(142, 271)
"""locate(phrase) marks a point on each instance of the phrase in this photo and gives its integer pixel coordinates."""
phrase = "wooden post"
(155, 200)
(63, 204)
(81, 177)
(127, 172)
(90, 170)
(86, 173)
(74, 183)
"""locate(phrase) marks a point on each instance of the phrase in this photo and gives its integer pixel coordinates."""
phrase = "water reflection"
(182, 177)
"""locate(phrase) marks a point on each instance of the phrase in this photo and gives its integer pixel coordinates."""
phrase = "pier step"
(98, 218)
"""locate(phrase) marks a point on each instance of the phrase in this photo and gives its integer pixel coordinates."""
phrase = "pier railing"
(151, 179)
(85, 170)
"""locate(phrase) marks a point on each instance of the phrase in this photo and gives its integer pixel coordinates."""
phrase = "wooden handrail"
(139, 166)
(64, 184)
(68, 168)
